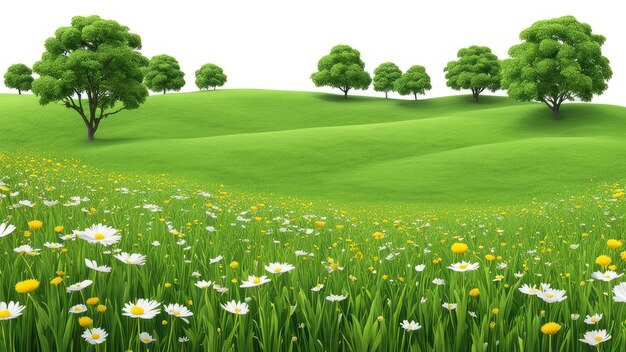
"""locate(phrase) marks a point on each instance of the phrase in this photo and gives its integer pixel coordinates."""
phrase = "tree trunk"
(345, 93)
(415, 95)
(475, 97)
(19, 91)
(214, 87)
(557, 113)
(385, 94)
(90, 133)
(163, 91)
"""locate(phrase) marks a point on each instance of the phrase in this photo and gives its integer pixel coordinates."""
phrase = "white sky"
(276, 44)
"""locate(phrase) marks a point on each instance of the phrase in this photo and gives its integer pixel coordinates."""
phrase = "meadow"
(377, 226)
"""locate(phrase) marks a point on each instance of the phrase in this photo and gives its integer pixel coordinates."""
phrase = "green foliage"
(210, 75)
(559, 59)
(343, 69)
(94, 60)
(385, 76)
(414, 81)
(20, 77)
(163, 73)
(477, 68)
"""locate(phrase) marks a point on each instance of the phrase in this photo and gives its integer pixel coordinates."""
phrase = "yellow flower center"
(410, 326)
(607, 276)
(549, 295)
(95, 336)
(278, 269)
(5, 314)
(176, 313)
(598, 338)
(237, 310)
(137, 310)
(146, 340)
(257, 280)
(99, 236)
(463, 266)
(594, 320)
(128, 261)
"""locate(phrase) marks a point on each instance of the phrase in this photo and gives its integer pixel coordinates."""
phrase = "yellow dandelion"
(459, 248)
(550, 328)
(92, 301)
(85, 321)
(614, 244)
(603, 260)
(56, 281)
(474, 292)
(234, 264)
(27, 286)
(35, 224)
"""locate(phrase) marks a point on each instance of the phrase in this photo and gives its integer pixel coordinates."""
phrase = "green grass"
(322, 147)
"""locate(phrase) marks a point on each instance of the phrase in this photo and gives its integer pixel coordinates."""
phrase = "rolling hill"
(320, 146)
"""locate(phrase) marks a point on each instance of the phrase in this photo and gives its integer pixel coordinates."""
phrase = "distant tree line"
(558, 59)
(94, 67)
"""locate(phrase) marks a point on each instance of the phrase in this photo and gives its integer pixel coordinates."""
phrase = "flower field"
(95, 260)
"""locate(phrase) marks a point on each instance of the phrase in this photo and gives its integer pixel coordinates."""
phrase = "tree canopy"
(414, 81)
(477, 68)
(96, 60)
(20, 77)
(559, 59)
(210, 75)
(163, 73)
(385, 75)
(343, 69)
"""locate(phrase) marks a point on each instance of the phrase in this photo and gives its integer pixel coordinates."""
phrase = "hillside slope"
(318, 146)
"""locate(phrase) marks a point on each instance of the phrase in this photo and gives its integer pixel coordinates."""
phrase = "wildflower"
(203, 284)
(234, 264)
(216, 259)
(6, 230)
(336, 298)
(58, 229)
(91, 264)
(619, 293)
(56, 281)
(35, 224)
(27, 286)
(550, 328)
(236, 307)
(474, 292)
(606, 276)
(593, 319)
(79, 308)
(11, 310)
(410, 326)
(53, 245)
(317, 287)
(495, 311)
(254, 281)
(459, 248)
(552, 295)
(614, 244)
(490, 257)
(92, 301)
(574, 316)
(143, 308)
(378, 235)
(131, 259)
(183, 339)
(603, 260)
(146, 338)
(595, 337)
(449, 306)
(179, 311)
(27, 249)
(277, 268)
(78, 286)
(85, 321)
(95, 336)
(101, 308)
(320, 223)
(101, 234)
(438, 281)
(463, 266)
(420, 267)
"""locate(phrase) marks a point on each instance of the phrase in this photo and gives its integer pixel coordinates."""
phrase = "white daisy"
(236, 307)
(449, 306)
(203, 284)
(336, 298)
(595, 337)
(133, 259)
(254, 281)
(5, 229)
(27, 249)
(11, 310)
(216, 259)
(278, 268)
(91, 264)
(53, 245)
(78, 286)
(143, 308)
(179, 311)
(463, 266)
(593, 319)
(317, 287)
(552, 295)
(606, 276)
(438, 281)
(95, 336)
(420, 267)
(79, 308)
(102, 234)
(529, 290)
(619, 293)
(410, 326)
(146, 338)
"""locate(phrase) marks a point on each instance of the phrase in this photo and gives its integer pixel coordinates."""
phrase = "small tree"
(210, 75)
(385, 76)
(343, 69)
(93, 67)
(414, 81)
(163, 73)
(559, 59)
(477, 68)
(20, 77)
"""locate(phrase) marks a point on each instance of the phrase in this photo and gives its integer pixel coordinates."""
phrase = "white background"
(275, 44)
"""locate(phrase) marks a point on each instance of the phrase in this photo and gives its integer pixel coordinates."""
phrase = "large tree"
(414, 81)
(210, 75)
(20, 77)
(477, 68)
(163, 73)
(94, 68)
(343, 69)
(559, 59)
(385, 75)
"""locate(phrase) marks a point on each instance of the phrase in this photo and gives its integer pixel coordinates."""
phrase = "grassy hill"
(320, 146)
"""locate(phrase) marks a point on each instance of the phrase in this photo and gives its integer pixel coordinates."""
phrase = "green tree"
(163, 73)
(477, 68)
(343, 69)
(385, 76)
(94, 68)
(210, 75)
(414, 81)
(559, 59)
(20, 77)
